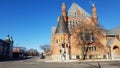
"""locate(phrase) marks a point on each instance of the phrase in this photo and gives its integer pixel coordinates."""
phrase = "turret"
(94, 15)
(64, 13)
(61, 39)
(9, 39)
(62, 26)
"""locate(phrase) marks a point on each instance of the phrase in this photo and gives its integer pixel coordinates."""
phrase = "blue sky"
(30, 21)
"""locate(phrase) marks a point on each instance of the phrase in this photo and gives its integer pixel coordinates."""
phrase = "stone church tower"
(61, 47)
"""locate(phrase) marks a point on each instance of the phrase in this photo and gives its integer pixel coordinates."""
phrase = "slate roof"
(74, 7)
(109, 43)
(53, 30)
(62, 26)
(114, 31)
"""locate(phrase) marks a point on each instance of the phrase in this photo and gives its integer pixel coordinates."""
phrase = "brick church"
(78, 36)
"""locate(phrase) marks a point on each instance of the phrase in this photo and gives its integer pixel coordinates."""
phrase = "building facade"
(6, 47)
(78, 36)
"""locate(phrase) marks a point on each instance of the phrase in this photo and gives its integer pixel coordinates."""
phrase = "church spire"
(94, 14)
(62, 26)
(63, 9)
(64, 13)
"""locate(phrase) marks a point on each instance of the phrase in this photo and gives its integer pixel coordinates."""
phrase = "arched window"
(115, 47)
(78, 12)
(87, 35)
(76, 22)
(81, 35)
(70, 23)
(73, 24)
(93, 38)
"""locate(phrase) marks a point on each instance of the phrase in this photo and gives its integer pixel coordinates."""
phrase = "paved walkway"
(97, 60)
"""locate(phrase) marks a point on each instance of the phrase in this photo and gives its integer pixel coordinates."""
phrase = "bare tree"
(33, 52)
(45, 47)
(85, 38)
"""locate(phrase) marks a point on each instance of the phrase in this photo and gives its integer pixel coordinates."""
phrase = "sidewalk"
(97, 60)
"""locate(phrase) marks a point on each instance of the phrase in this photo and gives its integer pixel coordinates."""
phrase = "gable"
(73, 9)
(113, 42)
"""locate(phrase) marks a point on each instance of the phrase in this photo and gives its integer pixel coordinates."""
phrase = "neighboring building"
(78, 36)
(6, 47)
(113, 38)
(18, 52)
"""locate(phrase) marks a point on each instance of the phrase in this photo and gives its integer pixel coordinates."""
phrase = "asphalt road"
(35, 62)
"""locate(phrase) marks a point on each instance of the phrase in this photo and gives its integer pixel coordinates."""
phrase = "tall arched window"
(93, 38)
(87, 35)
(81, 35)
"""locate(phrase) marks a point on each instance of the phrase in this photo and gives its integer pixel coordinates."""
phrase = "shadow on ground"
(15, 59)
(97, 65)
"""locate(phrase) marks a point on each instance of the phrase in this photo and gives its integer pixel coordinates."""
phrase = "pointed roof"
(62, 26)
(74, 7)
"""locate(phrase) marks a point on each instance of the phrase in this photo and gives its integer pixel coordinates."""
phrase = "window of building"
(77, 57)
(93, 38)
(90, 56)
(1, 50)
(70, 23)
(56, 41)
(81, 35)
(73, 24)
(76, 22)
(90, 48)
(95, 48)
(87, 35)
(104, 56)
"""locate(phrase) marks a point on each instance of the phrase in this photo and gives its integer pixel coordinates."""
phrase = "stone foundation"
(53, 58)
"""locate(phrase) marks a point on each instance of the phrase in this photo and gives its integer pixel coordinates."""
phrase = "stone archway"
(116, 52)
(116, 49)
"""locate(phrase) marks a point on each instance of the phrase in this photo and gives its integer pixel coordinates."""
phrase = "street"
(35, 62)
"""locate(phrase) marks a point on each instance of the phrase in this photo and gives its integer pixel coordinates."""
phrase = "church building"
(78, 36)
